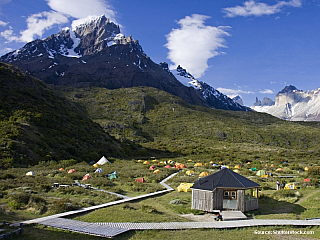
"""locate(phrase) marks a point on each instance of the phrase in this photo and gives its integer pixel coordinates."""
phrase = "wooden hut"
(224, 190)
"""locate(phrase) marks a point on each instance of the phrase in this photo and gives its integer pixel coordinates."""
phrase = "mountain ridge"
(97, 54)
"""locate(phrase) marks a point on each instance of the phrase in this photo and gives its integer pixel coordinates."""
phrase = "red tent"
(179, 166)
(152, 167)
(167, 166)
(142, 180)
(306, 180)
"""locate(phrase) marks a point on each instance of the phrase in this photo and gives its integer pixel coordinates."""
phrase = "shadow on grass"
(269, 206)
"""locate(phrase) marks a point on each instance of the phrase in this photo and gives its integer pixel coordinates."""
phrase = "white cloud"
(194, 43)
(252, 8)
(81, 9)
(3, 23)
(5, 50)
(62, 12)
(9, 35)
(38, 23)
(267, 91)
(231, 93)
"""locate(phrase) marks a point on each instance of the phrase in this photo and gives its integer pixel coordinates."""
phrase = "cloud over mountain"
(61, 12)
(194, 43)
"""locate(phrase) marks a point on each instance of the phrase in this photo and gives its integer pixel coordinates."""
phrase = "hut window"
(226, 194)
(233, 195)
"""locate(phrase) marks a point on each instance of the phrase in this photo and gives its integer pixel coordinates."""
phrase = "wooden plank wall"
(251, 205)
(202, 200)
(240, 200)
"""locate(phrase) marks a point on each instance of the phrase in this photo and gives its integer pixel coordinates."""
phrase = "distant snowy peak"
(212, 96)
(292, 104)
(86, 39)
(238, 100)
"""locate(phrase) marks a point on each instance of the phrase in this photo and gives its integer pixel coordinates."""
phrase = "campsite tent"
(290, 186)
(156, 171)
(112, 175)
(146, 162)
(167, 166)
(30, 173)
(203, 174)
(237, 167)
(142, 180)
(102, 161)
(61, 169)
(185, 187)
(306, 180)
(279, 169)
(140, 160)
(72, 171)
(261, 173)
(96, 165)
(190, 172)
(180, 166)
(198, 165)
(86, 177)
(99, 170)
(306, 168)
(152, 167)
(236, 170)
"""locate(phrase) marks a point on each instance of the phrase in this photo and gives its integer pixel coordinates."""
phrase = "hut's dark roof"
(224, 178)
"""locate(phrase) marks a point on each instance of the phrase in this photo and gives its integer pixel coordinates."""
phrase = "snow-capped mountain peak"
(292, 104)
(210, 94)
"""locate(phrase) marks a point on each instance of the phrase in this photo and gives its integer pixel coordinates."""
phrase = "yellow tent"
(198, 165)
(290, 186)
(95, 165)
(236, 170)
(203, 174)
(190, 172)
(306, 168)
(185, 187)
(155, 160)
(140, 160)
(146, 162)
(237, 167)
(156, 171)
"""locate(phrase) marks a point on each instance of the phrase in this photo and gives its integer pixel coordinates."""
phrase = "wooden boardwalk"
(107, 229)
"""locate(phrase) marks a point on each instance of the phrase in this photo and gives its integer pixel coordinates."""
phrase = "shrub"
(87, 201)
(175, 202)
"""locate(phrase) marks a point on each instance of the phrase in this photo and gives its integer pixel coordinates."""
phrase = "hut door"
(229, 199)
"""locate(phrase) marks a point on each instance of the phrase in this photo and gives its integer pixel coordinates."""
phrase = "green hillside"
(37, 124)
(158, 120)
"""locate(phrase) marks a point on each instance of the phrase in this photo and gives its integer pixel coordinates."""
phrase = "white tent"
(99, 170)
(102, 161)
(30, 173)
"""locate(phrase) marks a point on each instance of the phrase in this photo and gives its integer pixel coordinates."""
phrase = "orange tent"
(279, 169)
(72, 171)
(180, 166)
(167, 166)
(142, 180)
(306, 180)
(86, 177)
(61, 169)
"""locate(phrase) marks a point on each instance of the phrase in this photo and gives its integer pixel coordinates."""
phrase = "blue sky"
(251, 48)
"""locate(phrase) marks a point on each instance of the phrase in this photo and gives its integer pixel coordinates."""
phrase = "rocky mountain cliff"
(292, 104)
(97, 54)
